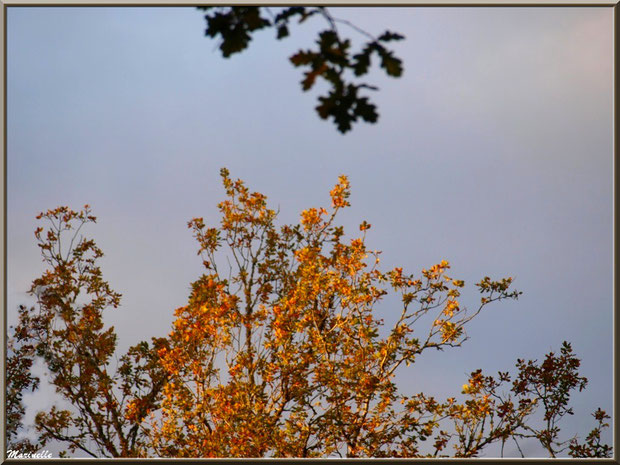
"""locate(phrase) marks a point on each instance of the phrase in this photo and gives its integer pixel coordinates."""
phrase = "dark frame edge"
(616, 254)
(3, 227)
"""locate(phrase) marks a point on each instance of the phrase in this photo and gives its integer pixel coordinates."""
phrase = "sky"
(493, 151)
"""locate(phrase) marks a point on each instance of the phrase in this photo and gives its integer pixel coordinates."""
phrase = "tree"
(278, 352)
(66, 331)
(332, 60)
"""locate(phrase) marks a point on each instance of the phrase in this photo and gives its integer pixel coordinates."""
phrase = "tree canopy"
(332, 58)
(278, 352)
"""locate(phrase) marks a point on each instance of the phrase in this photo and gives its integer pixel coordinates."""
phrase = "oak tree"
(279, 351)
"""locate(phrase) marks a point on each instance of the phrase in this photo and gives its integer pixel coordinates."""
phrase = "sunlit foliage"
(279, 351)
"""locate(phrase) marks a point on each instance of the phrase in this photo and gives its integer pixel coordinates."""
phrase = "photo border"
(4, 4)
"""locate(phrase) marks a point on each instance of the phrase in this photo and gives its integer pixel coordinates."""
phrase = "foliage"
(593, 446)
(19, 380)
(489, 415)
(332, 59)
(278, 352)
(66, 330)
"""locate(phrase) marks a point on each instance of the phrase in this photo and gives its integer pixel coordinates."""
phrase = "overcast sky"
(493, 151)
